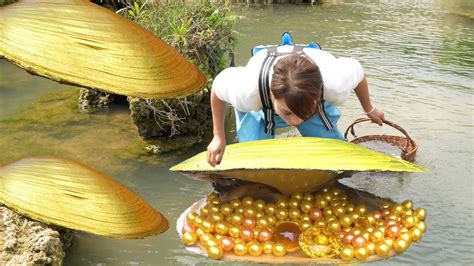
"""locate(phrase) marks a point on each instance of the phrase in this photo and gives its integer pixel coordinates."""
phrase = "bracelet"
(371, 110)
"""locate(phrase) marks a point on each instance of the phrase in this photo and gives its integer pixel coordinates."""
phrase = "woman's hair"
(298, 81)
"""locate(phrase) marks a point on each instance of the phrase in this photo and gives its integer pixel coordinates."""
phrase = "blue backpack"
(285, 40)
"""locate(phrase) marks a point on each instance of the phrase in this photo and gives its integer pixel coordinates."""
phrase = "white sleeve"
(340, 75)
(239, 86)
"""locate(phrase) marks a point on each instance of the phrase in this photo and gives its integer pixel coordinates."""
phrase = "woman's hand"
(377, 116)
(215, 150)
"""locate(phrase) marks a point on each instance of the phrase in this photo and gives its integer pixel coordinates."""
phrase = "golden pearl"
(263, 223)
(207, 226)
(198, 221)
(294, 203)
(370, 218)
(191, 216)
(321, 203)
(294, 214)
(264, 236)
(306, 206)
(338, 211)
(271, 219)
(281, 214)
(397, 209)
(382, 249)
(305, 225)
(421, 225)
(304, 217)
(361, 253)
(407, 205)
(345, 220)
(315, 214)
(234, 231)
(259, 205)
(226, 209)
(327, 212)
(415, 234)
(282, 203)
(216, 217)
(365, 234)
(297, 196)
(204, 238)
(420, 213)
(321, 239)
(212, 195)
(371, 248)
(247, 201)
(199, 232)
(308, 197)
(408, 221)
(267, 247)
(384, 205)
(328, 197)
(211, 242)
(259, 214)
(235, 203)
(408, 212)
(189, 238)
(221, 228)
(250, 211)
(400, 245)
(226, 243)
(361, 209)
(355, 216)
(320, 224)
(334, 226)
(236, 219)
(347, 253)
(239, 210)
(279, 250)
(388, 241)
(377, 236)
(393, 217)
(270, 208)
(405, 236)
(255, 249)
(240, 249)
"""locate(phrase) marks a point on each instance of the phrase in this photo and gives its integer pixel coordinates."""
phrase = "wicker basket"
(407, 145)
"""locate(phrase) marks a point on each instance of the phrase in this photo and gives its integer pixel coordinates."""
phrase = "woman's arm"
(362, 92)
(215, 149)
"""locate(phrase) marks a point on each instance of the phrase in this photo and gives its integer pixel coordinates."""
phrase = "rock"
(93, 101)
(23, 241)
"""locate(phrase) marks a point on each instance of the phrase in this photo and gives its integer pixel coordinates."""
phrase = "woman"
(286, 85)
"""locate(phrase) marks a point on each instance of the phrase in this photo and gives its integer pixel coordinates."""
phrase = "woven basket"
(407, 145)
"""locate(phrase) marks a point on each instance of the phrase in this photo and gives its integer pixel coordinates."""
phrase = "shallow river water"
(418, 57)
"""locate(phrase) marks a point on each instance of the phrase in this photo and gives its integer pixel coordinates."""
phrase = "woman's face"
(285, 113)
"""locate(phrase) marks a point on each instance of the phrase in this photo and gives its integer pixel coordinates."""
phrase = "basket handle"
(397, 127)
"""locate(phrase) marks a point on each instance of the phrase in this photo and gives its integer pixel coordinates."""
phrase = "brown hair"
(298, 81)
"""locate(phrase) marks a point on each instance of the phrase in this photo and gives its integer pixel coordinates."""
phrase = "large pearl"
(189, 238)
(321, 203)
(255, 249)
(371, 248)
(198, 221)
(400, 245)
(216, 217)
(377, 236)
(347, 253)
(347, 238)
(334, 226)
(191, 216)
(294, 203)
(361, 253)
(345, 220)
(272, 220)
(240, 249)
(405, 236)
(281, 214)
(308, 197)
(279, 250)
(250, 211)
(226, 243)
(298, 196)
(263, 223)
(221, 228)
(338, 211)
(188, 228)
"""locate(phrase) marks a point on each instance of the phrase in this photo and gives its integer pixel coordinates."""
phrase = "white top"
(239, 85)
